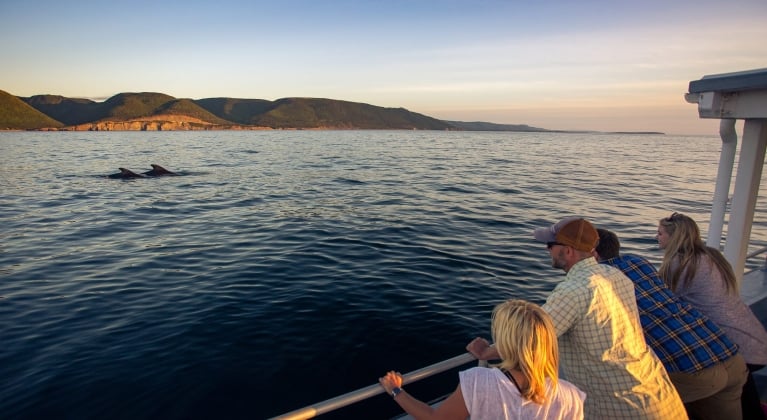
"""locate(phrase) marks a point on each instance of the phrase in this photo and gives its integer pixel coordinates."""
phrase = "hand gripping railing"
(372, 390)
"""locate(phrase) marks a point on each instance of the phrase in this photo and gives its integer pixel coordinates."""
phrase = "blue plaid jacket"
(684, 339)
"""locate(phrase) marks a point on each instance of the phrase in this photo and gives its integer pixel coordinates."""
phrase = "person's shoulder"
(637, 265)
(635, 259)
(584, 268)
(480, 372)
(706, 261)
(610, 269)
(573, 284)
(570, 388)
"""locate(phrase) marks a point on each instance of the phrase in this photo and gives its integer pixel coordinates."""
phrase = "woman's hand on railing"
(390, 381)
(482, 350)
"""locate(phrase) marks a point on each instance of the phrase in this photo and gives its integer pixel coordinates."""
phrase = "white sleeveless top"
(489, 394)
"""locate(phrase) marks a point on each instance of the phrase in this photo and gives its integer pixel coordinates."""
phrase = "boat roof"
(731, 82)
(739, 95)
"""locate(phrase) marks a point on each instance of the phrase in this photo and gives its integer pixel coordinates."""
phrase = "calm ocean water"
(284, 268)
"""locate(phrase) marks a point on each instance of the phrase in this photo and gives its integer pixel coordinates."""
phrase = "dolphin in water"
(125, 174)
(156, 170)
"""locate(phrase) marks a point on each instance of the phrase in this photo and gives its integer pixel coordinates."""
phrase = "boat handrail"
(372, 390)
(754, 254)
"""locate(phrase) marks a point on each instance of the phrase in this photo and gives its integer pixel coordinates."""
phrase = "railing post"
(723, 176)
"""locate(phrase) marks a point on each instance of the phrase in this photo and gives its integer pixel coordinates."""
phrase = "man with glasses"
(601, 343)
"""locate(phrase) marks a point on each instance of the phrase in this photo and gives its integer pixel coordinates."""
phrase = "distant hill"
(158, 111)
(128, 106)
(189, 108)
(239, 111)
(15, 114)
(329, 113)
(70, 111)
(307, 113)
(486, 126)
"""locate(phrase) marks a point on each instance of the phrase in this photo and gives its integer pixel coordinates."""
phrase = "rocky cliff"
(155, 123)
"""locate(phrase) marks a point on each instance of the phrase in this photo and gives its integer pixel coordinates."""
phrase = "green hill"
(317, 113)
(70, 111)
(124, 106)
(187, 107)
(286, 113)
(240, 111)
(129, 106)
(328, 113)
(15, 114)
(152, 109)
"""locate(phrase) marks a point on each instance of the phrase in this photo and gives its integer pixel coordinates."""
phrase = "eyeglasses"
(673, 216)
(549, 245)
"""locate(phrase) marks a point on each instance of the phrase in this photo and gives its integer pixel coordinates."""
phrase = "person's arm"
(452, 408)
(482, 349)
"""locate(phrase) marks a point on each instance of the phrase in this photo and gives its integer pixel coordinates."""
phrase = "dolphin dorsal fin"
(159, 170)
(125, 171)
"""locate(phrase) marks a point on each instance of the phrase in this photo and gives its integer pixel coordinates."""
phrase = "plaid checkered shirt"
(684, 339)
(602, 347)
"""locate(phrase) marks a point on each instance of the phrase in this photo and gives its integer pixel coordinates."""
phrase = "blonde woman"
(525, 385)
(704, 278)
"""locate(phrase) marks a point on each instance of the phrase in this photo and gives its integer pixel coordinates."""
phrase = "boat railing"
(375, 389)
(757, 253)
(753, 284)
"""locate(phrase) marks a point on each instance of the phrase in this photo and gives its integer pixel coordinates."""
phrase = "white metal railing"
(756, 253)
(373, 390)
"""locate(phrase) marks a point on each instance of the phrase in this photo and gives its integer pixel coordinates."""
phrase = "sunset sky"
(556, 64)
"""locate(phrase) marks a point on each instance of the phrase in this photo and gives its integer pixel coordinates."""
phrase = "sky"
(610, 65)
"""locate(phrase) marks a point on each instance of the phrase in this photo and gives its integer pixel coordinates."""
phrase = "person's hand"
(479, 348)
(390, 381)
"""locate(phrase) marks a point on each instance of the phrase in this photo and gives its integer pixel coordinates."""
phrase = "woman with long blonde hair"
(527, 343)
(683, 252)
(525, 385)
(704, 278)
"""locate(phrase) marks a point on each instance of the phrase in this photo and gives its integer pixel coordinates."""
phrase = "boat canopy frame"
(731, 97)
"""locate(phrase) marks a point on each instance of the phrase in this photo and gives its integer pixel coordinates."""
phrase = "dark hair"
(608, 246)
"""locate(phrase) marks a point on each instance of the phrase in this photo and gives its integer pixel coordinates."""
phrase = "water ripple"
(279, 260)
